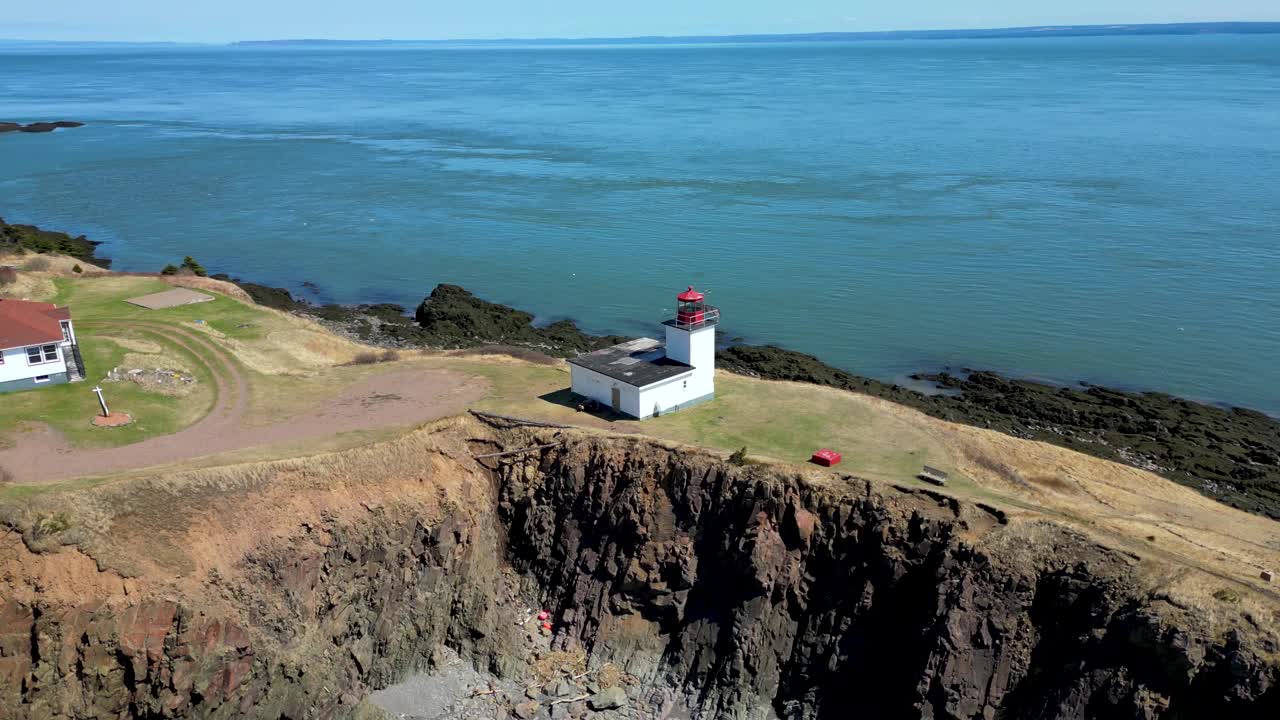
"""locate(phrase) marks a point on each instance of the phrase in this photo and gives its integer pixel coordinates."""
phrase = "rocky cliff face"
(748, 590)
(752, 590)
(316, 622)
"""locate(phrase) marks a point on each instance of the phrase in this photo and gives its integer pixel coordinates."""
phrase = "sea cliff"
(293, 588)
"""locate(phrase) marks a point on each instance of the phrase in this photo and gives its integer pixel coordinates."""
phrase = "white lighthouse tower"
(691, 339)
(642, 377)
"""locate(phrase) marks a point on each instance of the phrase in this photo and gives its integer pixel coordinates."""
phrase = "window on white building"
(66, 331)
(42, 354)
(42, 378)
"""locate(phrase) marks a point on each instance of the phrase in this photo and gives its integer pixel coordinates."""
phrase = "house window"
(42, 354)
(66, 331)
(685, 385)
(42, 378)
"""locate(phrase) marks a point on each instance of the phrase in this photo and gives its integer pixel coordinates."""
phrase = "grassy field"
(69, 408)
(784, 422)
(777, 421)
(110, 330)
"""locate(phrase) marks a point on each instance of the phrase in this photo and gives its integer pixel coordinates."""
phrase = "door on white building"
(617, 400)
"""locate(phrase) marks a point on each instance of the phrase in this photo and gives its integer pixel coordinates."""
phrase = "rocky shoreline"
(29, 238)
(1229, 454)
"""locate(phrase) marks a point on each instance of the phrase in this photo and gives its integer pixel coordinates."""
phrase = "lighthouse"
(642, 378)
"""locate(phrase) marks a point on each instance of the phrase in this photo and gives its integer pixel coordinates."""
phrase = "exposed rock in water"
(29, 238)
(747, 591)
(38, 127)
(453, 317)
(1231, 455)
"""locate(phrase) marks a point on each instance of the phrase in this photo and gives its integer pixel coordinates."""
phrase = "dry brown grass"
(196, 282)
(511, 351)
(289, 346)
(64, 266)
(556, 664)
(135, 344)
(372, 357)
(29, 286)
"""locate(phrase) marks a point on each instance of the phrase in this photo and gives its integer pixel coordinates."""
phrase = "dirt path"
(391, 399)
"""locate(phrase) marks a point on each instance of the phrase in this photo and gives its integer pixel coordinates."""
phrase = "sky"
(227, 20)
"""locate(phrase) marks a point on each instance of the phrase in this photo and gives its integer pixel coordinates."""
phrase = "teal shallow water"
(1102, 209)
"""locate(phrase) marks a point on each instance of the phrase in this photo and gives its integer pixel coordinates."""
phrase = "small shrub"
(169, 270)
(373, 358)
(51, 524)
(1226, 595)
(38, 264)
(739, 457)
(8, 276)
(189, 263)
(46, 531)
(76, 268)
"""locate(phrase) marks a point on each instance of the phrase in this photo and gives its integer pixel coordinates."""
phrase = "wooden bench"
(933, 475)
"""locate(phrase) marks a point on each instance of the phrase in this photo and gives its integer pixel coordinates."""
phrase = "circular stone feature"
(115, 419)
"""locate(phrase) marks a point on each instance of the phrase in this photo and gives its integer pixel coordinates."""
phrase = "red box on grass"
(825, 458)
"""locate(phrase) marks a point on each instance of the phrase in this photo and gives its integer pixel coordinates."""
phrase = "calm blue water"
(1103, 209)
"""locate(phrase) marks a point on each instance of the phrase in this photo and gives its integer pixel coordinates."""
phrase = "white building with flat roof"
(644, 377)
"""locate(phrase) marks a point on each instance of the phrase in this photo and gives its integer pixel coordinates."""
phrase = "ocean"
(1069, 209)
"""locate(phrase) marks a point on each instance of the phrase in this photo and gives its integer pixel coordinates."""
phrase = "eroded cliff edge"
(291, 589)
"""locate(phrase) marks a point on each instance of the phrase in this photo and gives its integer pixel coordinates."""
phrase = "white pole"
(102, 401)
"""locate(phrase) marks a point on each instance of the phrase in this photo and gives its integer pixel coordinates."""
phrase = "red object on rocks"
(546, 626)
(825, 458)
(544, 615)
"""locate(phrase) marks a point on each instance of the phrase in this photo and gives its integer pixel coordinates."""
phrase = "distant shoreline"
(1028, 31)
(1036, 31)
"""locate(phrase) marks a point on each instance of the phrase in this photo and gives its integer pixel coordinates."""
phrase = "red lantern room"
(692, 313)
(689, 308)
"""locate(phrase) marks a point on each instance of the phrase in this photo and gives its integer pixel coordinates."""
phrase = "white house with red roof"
(37, 346)
(644, 377)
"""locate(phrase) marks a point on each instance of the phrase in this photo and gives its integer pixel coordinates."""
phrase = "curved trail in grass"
(391, 399)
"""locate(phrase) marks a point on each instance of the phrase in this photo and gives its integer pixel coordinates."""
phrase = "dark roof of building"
(30, 323)
(638, 362)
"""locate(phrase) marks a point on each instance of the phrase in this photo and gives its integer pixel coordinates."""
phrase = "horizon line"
(1273, 26)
